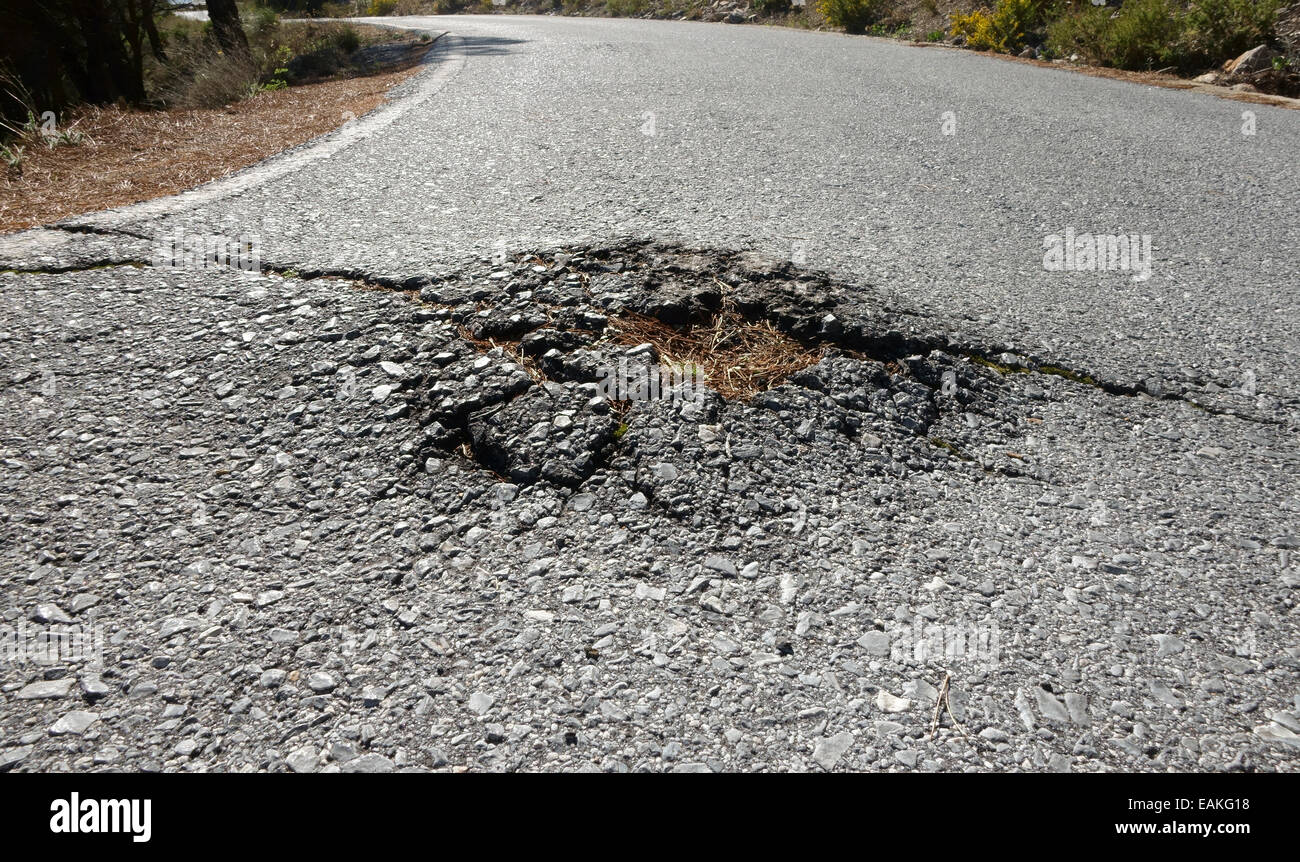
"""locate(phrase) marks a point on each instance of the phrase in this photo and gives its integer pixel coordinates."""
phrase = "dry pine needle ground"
(132, 155)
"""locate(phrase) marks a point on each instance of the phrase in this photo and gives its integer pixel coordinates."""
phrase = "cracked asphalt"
(367, 510)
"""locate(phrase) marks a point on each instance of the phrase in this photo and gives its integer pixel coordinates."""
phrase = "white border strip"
(447, 53)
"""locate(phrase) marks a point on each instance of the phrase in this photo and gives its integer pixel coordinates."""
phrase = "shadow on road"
(476, 45)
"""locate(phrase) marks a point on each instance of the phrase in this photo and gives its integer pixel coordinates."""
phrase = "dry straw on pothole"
(739, 357)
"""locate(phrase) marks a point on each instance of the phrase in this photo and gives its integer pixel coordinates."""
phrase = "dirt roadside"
(134, 155)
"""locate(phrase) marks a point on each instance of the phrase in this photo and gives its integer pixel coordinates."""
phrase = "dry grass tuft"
(509, 348)
(739, 357)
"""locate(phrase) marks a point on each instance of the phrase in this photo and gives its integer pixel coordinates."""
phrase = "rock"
(82, 601)
(887, 702)
(479, 703)
(50, 613)
(830, 749)
(269, 597)
(1256, 59)
(46, 689)
(321, 682)
(176, 625)
(13, 756)
(919, 689)
(343, 751)
(1077, 705)
(304, 760)
(1279, 734)
(1051, 708)
(273, 678)
(93, 688)
(720, 564)
(645, 591)
(369, 763)
(612, 711)
(74, 722)
(1168, 645)
(1165, 695)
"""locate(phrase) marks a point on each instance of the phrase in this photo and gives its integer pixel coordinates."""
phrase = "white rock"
(479, 702)
(74, 722)
(830, 749)
(886, 702)
(875, 643)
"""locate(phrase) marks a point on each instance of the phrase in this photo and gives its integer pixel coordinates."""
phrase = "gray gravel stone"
(75, 722)
(829, 750)
(46, 689)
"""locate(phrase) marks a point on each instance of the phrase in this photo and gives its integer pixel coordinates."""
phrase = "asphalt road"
(1140, 568)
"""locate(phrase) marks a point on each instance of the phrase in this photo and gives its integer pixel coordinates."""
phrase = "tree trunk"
(150, 9)
(224, 15)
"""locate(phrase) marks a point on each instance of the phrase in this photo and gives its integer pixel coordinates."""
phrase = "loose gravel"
(327, 525)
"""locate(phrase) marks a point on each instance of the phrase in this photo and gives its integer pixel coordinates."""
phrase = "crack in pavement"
(272, 438)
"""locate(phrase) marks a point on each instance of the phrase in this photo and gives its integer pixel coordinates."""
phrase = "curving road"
(1144, 579)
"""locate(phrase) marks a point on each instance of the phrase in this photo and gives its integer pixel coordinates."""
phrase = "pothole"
(583, 360)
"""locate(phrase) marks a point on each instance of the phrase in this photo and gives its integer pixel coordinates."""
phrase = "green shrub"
(1084, 32)
(13, 159)
(1219, 30)
(379, 8)
(1144, 34)
(347, 39)
(1149, 34)
(855, 16)
(626, 8)
(771, 7)
(264, 20)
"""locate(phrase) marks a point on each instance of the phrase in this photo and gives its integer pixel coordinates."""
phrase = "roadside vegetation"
(58, 55)
(199, 74)
(1184, 37)
(119, 109)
